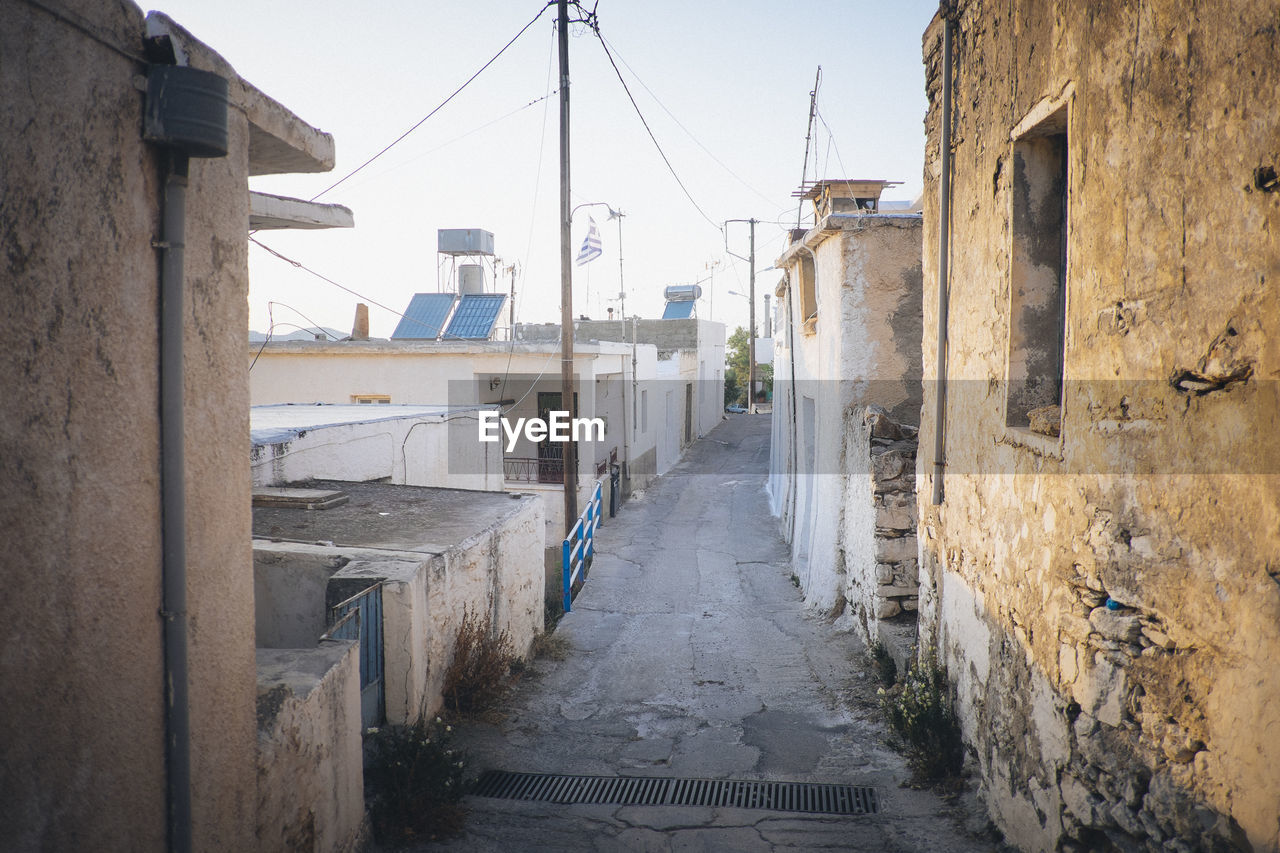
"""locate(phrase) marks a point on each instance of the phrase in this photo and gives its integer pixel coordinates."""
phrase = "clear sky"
(723, 84)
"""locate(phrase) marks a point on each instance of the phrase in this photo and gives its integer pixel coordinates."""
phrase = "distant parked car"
(736, 410)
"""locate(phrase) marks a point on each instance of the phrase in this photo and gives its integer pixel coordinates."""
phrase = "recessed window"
(1037, 275)
(808, 289)
(370, 398)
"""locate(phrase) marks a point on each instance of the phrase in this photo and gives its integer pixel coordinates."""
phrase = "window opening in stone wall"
(808, 289)
(1038, 269)
(370, 398)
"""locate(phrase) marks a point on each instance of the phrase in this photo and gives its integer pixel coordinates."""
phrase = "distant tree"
(734, 392)
(737, 351)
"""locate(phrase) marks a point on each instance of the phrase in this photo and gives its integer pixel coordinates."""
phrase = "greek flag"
(591, 245)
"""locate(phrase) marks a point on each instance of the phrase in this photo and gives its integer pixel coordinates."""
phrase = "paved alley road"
(692, 655)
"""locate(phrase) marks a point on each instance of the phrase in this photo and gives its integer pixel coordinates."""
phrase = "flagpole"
(570, 449)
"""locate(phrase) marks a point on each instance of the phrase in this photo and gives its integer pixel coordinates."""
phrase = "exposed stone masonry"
(891, 451)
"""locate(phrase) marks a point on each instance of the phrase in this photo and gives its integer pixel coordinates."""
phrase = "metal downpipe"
(185, 113)
(177, 741)
(944, 247)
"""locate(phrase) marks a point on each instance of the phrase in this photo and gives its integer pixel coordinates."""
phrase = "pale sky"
(724, 85)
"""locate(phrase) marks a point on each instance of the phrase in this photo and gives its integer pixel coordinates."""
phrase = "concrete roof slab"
(279, 141)
(273, 212)
(396, 518)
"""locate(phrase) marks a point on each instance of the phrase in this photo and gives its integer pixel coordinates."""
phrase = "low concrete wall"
(497, 571)
(500, 572)
(417, 449)
(310, 770)
(289, 596)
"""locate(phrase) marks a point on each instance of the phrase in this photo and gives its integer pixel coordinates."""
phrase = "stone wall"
(884, 578)
(1107, 598)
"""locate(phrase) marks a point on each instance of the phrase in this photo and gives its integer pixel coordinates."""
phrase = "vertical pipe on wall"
(186, 114)
(173, 498)
(944, 235)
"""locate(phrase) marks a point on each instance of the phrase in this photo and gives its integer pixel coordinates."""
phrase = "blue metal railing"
(579, 546)
(360, 618)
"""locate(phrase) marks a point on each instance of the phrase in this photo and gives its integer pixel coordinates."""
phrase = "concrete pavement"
(692, 655)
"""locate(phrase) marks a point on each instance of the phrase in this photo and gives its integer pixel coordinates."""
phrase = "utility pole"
(751, 331)
(622, 287)
(570, 449)
(711, 288)
(751, 334)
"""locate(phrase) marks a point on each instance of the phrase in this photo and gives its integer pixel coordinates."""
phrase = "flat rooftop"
(286, 421)
(398, 518)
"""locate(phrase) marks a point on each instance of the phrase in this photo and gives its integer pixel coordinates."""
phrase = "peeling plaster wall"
(310, 761)
(1108, 600)
(860, 354)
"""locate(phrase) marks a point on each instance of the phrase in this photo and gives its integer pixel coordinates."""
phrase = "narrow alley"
(691, 655)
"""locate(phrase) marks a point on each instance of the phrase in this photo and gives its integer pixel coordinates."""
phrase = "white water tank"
(470, 278)
(683, 293)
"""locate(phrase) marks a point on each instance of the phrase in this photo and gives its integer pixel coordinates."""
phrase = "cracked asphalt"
(691, 654)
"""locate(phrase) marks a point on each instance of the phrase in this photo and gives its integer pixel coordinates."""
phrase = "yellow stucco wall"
(1158, 720)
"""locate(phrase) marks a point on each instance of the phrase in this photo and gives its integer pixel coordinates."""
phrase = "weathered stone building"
(846, 402)
(1102, 575)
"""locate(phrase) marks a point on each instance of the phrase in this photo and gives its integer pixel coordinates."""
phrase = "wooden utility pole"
(570, 451)
(751, 332)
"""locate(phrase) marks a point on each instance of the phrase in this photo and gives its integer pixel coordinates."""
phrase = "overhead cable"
(688, 132)
(661, 153)
(439, 107)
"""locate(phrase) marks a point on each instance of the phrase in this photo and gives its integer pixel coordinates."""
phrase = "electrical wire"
(648, 130)
(313, 323)
(439, 107)
(533, 207)
(832, 139)
(688, 132)
(494, 345)
(86, 29)
(455, 139)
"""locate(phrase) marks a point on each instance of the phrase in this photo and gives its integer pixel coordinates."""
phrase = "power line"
(438, 107)
(636, 106)
(272, 324)
(459, 138)
(688, 132)
(358, 295)
(313, 323)
(831, 137)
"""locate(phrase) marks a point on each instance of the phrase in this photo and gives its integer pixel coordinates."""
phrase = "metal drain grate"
(656, 791)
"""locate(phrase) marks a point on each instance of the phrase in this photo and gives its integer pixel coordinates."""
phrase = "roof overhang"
(279, 142)
(273, 212)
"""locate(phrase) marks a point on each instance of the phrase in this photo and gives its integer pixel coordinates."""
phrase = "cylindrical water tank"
(683, 293)
(470, 278)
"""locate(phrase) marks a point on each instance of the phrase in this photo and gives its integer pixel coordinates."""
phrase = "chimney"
(360, 328)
